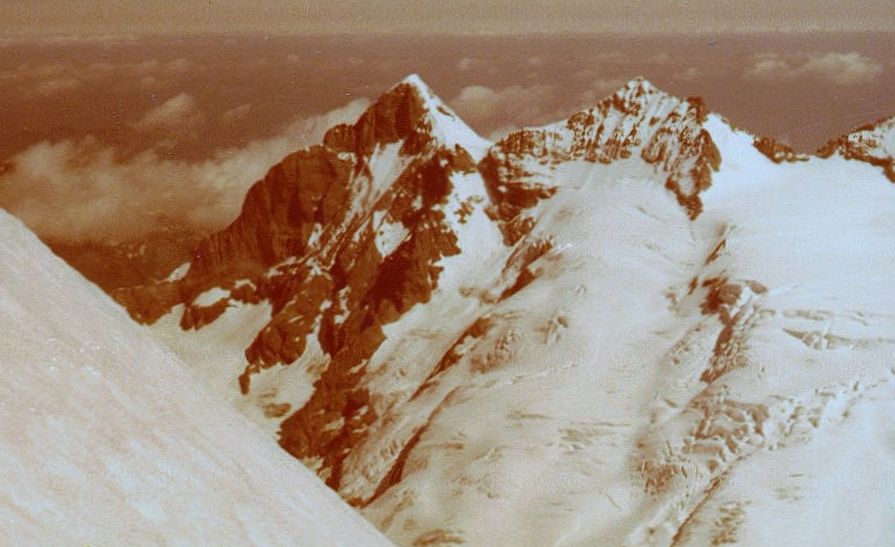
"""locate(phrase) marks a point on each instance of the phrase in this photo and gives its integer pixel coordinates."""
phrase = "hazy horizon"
(455, 16)
(117, 138)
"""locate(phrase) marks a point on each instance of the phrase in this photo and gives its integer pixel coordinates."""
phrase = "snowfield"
(107, 439)
(637, 326)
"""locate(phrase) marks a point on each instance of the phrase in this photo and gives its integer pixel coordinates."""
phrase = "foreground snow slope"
(635, 326)
(105, 438)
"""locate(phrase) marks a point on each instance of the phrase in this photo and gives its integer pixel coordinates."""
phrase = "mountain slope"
(342, 239)
(663, 130)
(618, 328)
(874, 144)
(106, 439)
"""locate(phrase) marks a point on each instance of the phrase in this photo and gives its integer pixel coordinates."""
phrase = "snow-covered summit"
(446, 126)
(874, 144)
(342, 240)
(411, 113)
(656, 358)
(638, 119)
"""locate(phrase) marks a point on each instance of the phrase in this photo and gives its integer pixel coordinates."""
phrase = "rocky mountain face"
(639, 119)
(107, 439)
(639, 325)
(113, 265)
(874, 144)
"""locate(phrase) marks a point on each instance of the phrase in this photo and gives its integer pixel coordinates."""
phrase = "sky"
(124, 137)
(127, 121)
(84, 17)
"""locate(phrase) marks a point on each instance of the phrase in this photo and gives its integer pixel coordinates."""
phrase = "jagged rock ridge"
(317, 238)
(874, 144)
(638, 119)
(594, 288)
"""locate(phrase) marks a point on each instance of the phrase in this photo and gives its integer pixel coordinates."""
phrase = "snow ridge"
(107, 439)
(446, 126)
(638, 119)
(874, 144)
(640, 343)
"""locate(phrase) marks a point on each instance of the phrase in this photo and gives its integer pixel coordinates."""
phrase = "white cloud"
(72, 190)
(536, 60)
(179, 111)
(178, 66)
(838, 68)
(607, 86)
(843, 68)
(769, 66)
(149, 81)
(660, 58)
(585, 74)
(51, 78)
(476, 101)
(687, 74)
(143, 67)
(26, 71)
(158, 69)
(496, 112)
(100, 67)
(68, 39)
(236, 114)
(488, 108)
(610, 57)
(599, 90)
(465, 64)
(52, 87)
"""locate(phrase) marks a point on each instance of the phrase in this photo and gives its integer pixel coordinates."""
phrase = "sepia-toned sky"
(120, 137)
(123, 118)
(442, 16)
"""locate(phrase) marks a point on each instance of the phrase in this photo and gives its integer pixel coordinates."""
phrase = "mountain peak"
(414, 80)
(413, 84)
(638, 85)
(411, 113)
(640, 119)
(380, 293)
(445, 125)
(873, 143)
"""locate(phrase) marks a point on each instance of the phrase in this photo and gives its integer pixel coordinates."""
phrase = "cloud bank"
(500, 110)
(178, 113)
(838, 68)
(76, 189)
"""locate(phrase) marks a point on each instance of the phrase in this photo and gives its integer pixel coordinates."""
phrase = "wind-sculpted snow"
(107, 440)
(595, 332)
